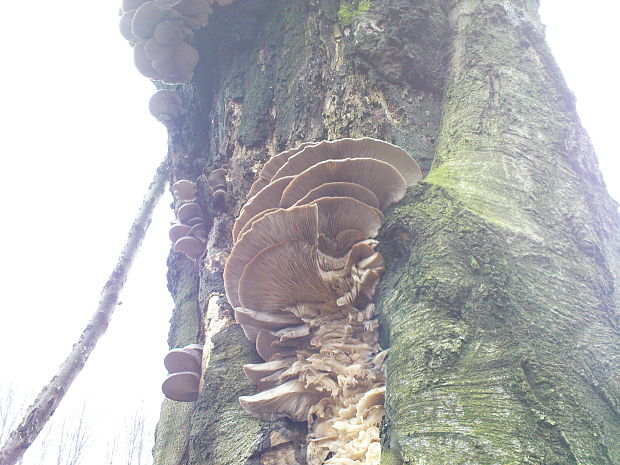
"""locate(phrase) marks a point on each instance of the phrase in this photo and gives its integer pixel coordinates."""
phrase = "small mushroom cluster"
(161, 31)
(166, 105)
(188, 233)
(301, 277)
(185, 367)
(217, 185)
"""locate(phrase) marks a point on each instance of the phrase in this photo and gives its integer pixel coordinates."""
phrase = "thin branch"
(50, 396)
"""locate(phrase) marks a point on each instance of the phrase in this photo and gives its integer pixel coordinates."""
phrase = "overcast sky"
(79, 150)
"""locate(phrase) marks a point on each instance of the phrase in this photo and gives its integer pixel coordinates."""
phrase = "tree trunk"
(499, 300)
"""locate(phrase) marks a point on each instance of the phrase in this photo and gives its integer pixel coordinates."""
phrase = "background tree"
(499, 300)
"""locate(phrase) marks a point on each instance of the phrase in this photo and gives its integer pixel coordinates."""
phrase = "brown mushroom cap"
(143, 64)
(172, 32)
(166, 105)
(182, 386)
(147, 17)
(270, 343)
(177, 231)
(175, 63)
(187, 211)
(124, 26)
(128, 5)
(345, 220)
(284, 275)
(190, 246)
(184, 189)
(195, 12)
(256, 371)
(198, 231)
(269, 197)
(353, 148)
(183, 360)
(249, 224)
(273, 228)
(267, 320)
(290, 399)
(217, 178)
(341, 189)
(272, 166)
(381, 178)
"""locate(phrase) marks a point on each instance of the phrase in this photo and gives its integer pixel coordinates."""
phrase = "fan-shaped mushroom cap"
(272, 166)
(166, 105)
(146, 19)
(124, 26)
(273, 228)
(358, 252)
(249, 224)
(379, 177)
(217, 178)
(177, 231)
(284, 275)
(184, 190)
(353, 148)
(175, 62)
(290, 399)
(183, 360)
(344, 221)
(270, 343)
(188, 211)
(250, 332)
(190, 246)
(198, 231)
(256, 371)
(143, 63)
(172, 32)
(268, 320)
(195, 12)
(182, 386)
(128, 5)
(341, 189)
(269, 197)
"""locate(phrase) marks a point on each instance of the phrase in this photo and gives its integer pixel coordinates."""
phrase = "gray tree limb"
(50, 396)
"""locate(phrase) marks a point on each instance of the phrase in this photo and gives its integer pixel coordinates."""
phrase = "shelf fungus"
(160, 31)
(188, 233)
(301, 277)
(185, 368)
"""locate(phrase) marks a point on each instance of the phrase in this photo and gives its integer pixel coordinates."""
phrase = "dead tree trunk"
(499, 299)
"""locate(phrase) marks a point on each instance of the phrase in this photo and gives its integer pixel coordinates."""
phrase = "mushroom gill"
(301, 278)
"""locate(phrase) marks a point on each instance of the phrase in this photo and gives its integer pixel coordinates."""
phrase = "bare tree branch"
(50, 396)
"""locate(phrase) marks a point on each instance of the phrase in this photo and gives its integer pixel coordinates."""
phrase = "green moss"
(348, 11)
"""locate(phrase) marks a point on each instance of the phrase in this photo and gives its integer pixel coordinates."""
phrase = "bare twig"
(50, 396)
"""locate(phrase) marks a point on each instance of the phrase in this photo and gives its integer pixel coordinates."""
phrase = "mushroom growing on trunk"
(301, 277)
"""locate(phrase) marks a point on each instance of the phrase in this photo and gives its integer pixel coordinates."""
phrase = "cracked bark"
(499, 300)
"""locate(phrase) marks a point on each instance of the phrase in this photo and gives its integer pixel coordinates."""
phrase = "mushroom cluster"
(216, 181)
(301, 277)
(188, 233)
(160, 31)
(166, 105)
(185, 367)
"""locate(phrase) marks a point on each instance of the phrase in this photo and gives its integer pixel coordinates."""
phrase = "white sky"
(79, 150)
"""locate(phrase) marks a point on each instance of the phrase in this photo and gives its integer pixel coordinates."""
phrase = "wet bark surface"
(498, 299)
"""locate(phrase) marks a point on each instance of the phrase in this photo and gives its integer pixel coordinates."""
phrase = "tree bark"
(499, 300)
